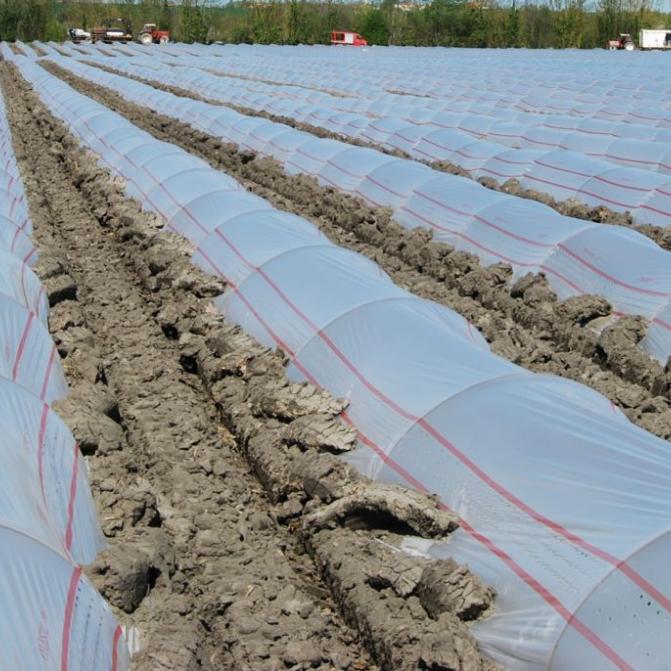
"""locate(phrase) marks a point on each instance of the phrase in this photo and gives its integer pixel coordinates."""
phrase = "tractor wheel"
(163, 40)
(145, 38)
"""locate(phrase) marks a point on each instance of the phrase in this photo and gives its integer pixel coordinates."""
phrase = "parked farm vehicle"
(624, 41)
(150, 34)
(114, 30)
(655, 39)
(347, 38)
(78, 35)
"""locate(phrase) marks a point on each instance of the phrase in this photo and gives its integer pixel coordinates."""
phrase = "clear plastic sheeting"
(19, 282)
(578, 257)
(63, 623)
(436, 410)
(28, 355)
(44, 485)
(15, 224)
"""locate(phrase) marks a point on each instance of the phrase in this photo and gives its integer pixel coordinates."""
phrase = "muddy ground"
(571, 207)
(237, 539)
(523, 322)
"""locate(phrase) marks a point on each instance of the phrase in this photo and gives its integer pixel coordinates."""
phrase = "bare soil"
(524, 322)
(237, 540)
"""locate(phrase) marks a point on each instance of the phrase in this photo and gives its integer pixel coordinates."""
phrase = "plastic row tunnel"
(578, 257)
(554, 162)
(563, 502)
(582, 106)
(51, 618)
(594, 144)
(479, 117)
(581, 84)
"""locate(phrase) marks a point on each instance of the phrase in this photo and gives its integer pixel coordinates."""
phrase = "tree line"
(462, 23)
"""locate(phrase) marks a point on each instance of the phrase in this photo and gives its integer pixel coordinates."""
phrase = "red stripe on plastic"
(23, 286)
(29, 255)
(67, 617)
(22, 345)
(505, 160)
(40, 293)
(15, 237)
(40, 450)
(47, 374)
(656, 210)
(115, 644)
(394, 465)
(662, 323)
(72, 497)
(516, 175)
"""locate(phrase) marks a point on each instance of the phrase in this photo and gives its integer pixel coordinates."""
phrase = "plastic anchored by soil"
(208, 563)
(577, 338)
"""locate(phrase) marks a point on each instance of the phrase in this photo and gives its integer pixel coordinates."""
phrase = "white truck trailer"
(654, 39)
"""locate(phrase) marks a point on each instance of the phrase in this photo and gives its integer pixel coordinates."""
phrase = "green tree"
(569, 18)
(194, 26)
(511, 27)
(442, 22)
(297, 22)
(538, 26)
(372, 24)
(165, 19)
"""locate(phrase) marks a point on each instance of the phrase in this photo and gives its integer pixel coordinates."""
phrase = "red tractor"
(150, 34)
(624, 41)
(346, 37)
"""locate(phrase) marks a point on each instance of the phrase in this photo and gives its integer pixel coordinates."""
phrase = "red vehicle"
(624, 41)
(348, 38)
(150, 34)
